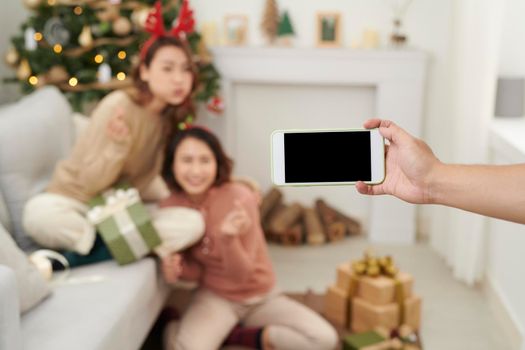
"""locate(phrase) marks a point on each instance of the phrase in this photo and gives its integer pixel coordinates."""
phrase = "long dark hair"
(142, 95)
(224, 163)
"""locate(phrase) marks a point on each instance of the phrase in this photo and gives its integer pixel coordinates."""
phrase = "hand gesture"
(117, 128)
(236, 221)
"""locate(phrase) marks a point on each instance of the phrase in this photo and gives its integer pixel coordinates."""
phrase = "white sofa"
(118, 309)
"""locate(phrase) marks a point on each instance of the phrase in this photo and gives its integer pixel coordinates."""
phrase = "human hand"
(172, 268)
(236, 221)
(117, 128)
(410, 165)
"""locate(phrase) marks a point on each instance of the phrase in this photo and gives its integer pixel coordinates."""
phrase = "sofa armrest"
(10, 335)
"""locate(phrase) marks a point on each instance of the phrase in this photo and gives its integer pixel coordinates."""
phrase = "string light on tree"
(38, 36)
(33, 80)
(99, 58)
(73, 81)
(57, 48)
(122, 54)
(78, 10)
(121, 76)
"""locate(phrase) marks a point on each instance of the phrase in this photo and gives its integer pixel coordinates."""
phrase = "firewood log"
(285, 218)
(293, 235)
(330, 215)
(314, 229)
(271, 199)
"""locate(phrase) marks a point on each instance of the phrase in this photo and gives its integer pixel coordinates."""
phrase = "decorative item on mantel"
(270, 21)
(329, 29)
(285, 32)
(399, 9)
(292, 224)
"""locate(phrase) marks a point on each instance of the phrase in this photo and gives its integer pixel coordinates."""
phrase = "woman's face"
(194, 166)
(169, 75)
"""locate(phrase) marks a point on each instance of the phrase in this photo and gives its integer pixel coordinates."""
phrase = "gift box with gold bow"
(124, 224)
(372, 292)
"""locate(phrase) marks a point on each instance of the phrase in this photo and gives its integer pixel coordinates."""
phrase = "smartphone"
(327, 157)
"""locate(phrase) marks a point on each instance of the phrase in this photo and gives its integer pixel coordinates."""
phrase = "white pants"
(59, 222)
(210, 318)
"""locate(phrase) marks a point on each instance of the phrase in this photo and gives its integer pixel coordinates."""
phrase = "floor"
(454, 317)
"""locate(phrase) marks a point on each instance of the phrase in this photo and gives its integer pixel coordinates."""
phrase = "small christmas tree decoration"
(108, 13)
(122, 26)
(270, 22)
(24, 70)
(12, 57)
(215, 105)
(104, 73)
(139, 16)
(285, 31)
(30, 42)
(85, 39)
(57, 74)
(55, 32)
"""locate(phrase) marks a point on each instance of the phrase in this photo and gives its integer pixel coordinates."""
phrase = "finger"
(372, 123)
(391, 131)
(369, 189)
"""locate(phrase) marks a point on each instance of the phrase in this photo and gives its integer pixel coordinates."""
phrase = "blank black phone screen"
(327, 157)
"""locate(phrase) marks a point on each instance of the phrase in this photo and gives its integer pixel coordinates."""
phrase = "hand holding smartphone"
(327, 157)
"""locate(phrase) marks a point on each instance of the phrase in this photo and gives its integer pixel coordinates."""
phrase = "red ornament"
(215, 105)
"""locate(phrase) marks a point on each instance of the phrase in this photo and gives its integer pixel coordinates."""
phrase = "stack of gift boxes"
(372, 294)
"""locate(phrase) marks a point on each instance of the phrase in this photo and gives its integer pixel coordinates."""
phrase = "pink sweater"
(234, 267)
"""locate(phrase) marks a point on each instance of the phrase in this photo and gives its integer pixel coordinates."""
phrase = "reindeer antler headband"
(154, 25)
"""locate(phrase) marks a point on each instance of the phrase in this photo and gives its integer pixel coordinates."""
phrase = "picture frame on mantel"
(329, 29)
(235, 30)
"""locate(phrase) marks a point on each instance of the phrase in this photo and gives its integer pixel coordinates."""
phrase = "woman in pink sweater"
(231, 262)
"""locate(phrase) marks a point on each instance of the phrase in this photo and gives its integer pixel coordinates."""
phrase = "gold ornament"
(85, 39)
(122, 26)
(57, 74)
(24, 70)
(108, 13)
(12, 57)
(32, 4)
(139, 16)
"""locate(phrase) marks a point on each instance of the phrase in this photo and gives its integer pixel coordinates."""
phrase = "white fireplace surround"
(398, 77)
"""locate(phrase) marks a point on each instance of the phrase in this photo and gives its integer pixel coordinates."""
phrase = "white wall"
(12, 15)
(512, 55)
(505, 251)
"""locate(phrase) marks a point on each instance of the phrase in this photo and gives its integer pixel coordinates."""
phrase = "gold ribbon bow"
(373, 266)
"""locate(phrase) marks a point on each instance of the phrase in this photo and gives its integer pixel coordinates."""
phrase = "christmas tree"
(270, 21)
(285, 25)
(88, 47)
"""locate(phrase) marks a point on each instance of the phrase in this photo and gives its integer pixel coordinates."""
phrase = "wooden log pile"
(292, 224)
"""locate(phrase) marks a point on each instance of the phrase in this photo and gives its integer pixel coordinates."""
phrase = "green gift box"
(125, 225)
(365, 341)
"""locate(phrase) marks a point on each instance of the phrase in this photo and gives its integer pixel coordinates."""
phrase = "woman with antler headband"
(125, 141)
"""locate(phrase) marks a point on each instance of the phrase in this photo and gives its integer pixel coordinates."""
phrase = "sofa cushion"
(4, 216)
(31, 286)
(116, 312)
(35, 133)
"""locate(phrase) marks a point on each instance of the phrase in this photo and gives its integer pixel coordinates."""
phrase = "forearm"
(496, 191)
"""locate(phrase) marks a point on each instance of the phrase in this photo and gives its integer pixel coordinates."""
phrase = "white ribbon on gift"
(131, 234)
(116, 201)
